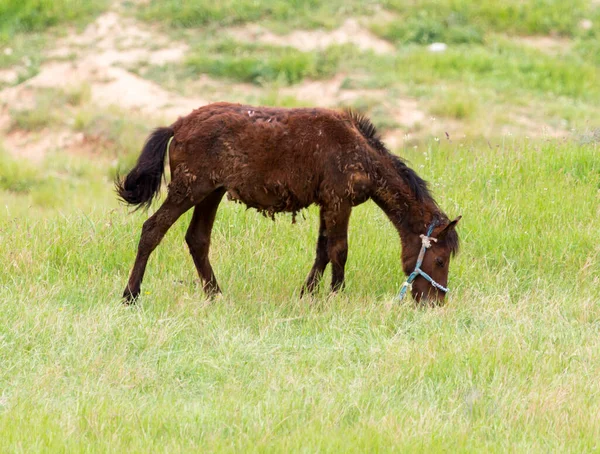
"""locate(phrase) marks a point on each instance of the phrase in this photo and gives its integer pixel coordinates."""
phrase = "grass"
(485, 62)
(519, 69)
(450, 20)
(110, 134)
(509, 363)
(28, 26)
(279, 14)
(564, 89)
(38, 15)
(423, 28)
(469, 18)
(15, 177)
(34, 186)
(113, 134)
(50, 108)
(263, 64)
(455, 104)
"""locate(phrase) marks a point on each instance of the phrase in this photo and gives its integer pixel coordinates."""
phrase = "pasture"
(504, 126)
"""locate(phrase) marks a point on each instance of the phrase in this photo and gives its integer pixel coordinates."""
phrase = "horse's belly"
(269, 198)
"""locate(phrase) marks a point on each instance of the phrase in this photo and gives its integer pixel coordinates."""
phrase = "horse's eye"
(439, 262)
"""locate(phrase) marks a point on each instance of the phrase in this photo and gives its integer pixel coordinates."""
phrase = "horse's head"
(427, 259)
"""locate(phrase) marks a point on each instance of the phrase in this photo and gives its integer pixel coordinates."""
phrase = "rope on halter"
(426, 241)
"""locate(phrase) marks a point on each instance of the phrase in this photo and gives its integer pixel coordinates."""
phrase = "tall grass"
(509, 363)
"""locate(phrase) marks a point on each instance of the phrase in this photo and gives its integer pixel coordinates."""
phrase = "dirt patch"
(534, 128)
(5, 118)
(114, 39)
(223, 90)
(330, 93)
(94, 58)
(9, 76)
(97, 52)
(325, 93)
(119, 39)
(34, 146)
(408, 113)
(547, 44)
(351, 32)
(109, 85)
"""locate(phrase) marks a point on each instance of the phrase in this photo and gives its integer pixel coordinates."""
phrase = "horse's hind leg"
(153, 231)
(198, 239)
(321, 260)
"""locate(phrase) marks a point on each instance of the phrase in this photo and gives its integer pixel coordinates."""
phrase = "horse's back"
(272, 159)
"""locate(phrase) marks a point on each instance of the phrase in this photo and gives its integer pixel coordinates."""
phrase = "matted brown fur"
(283, 160)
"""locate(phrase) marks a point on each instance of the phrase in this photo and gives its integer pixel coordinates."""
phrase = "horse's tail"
(142, 184)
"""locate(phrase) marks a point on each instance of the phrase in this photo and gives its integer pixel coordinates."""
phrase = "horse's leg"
(198, 239)
(153, 231)
(321, 260)
(336, 224)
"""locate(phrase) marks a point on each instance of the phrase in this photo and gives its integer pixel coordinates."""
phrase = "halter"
(426, 243)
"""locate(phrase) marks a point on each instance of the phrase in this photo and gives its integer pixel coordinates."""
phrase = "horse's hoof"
(129, 298)
(212, 291)
(308, 291)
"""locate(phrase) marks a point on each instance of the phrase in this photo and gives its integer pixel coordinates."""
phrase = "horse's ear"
(451, 226)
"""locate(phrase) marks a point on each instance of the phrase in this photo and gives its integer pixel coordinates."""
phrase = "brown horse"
(278, 160)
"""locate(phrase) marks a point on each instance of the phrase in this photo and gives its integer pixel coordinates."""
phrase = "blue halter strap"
(426, 243)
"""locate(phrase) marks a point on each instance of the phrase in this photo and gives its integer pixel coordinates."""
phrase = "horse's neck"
(410, 221)
(409, 215)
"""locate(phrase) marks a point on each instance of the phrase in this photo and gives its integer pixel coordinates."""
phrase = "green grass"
(109, 133)
(424, 28)
(422, 22)
(58, 181)
(29, 27)
(17, 177)
(507, 69)
(263, 64)
(48, 110)
(38, 15)
(502, 72)
(510, 363)
(279, 13)
(485, 63)
(460, 105)
(23, 51)
(113, 133)
(468, 18)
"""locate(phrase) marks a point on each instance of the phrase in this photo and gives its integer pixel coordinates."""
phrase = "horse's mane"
(452, 241)
(416, 184)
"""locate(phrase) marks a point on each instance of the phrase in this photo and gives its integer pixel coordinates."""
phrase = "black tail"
(142, 184)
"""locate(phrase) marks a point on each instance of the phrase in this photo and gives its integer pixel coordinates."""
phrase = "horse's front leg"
(198, 239)
(336, 223)
(321, 260)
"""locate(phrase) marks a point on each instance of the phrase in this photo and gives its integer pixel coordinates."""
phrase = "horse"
(283, 160)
